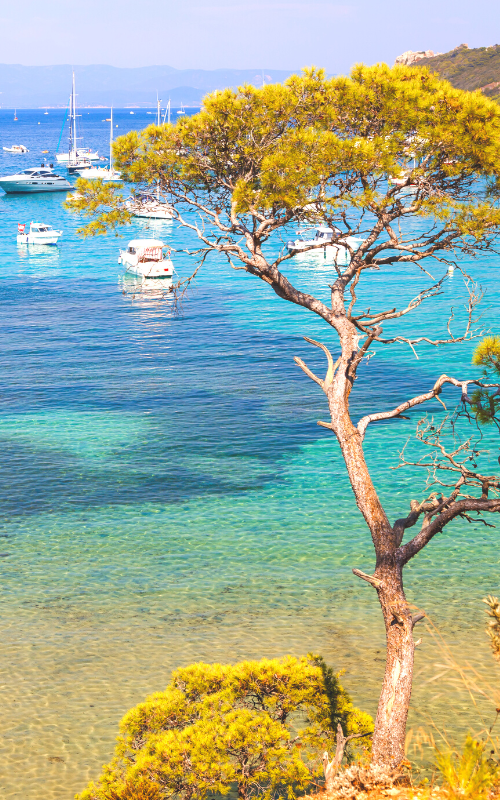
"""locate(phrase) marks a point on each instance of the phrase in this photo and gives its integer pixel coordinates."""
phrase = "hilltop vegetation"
(469, 69)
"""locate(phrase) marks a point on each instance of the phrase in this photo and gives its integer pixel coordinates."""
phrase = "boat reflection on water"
(147, 290)
(39, 261)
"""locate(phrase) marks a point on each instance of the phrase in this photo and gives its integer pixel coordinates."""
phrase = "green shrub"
(257, 725)
(468, 774)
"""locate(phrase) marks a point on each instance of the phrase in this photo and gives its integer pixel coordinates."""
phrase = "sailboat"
(75, 153)
(146, 204)
(15, 115)
(103, 173)
(181, 110)
(167, 111)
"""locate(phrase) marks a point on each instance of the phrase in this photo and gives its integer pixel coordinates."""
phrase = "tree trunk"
(390, 724)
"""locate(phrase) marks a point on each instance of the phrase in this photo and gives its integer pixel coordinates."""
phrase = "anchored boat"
(322, 239)
(75, 153)
(16, 148)
(39, 233)
(34, 180)
(146, 257)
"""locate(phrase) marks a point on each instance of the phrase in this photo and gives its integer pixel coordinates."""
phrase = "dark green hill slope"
(478, 68)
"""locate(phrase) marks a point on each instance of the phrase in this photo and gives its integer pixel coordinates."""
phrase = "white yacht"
(16, 148)
(34, 180)
(323, 235)
(74, 151)
(146, 257)
(39, 233)
(102, 173)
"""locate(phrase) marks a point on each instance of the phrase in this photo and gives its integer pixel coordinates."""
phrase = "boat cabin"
(146, 250)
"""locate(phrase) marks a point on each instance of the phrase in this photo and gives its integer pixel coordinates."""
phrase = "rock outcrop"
(412, 56)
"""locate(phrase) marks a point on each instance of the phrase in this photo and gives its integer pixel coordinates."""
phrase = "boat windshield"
(29, 172)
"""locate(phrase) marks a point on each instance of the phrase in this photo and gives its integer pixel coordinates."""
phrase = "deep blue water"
(166, 494)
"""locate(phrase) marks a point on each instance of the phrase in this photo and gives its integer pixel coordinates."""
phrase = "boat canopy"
(139, 244)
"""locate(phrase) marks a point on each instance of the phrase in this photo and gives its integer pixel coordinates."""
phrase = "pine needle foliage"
(258, 726)
(468, 774)
(486, 403)
(493, 629)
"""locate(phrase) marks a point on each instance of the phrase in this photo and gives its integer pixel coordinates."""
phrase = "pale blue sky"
(279, 34)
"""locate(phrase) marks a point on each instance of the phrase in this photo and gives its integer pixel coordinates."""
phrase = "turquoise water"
(167, 495)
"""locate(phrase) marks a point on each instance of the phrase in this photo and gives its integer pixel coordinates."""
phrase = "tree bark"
(390, 724)
(394, 702)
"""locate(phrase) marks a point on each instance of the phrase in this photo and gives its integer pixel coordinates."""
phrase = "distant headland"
(464, 67)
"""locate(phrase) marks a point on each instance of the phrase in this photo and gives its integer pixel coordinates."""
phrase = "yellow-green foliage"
(485, 403)
(269, 151)
(493, 629)
(260, 725)
(468, 774)
(487, 354)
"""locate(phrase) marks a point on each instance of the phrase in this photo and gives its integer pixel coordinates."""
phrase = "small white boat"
(30, 181)
(146, 257)
(181, 110)
(16, 148)
(322, 235)
(39, 233)
(148, 206)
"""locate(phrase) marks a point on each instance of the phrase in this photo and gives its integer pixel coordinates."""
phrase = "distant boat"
(15, 115)
(45, 112)
(181, 110)
(16, 148)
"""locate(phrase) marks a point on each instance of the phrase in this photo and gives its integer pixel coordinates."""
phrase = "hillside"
(469, 69)
(103, 85)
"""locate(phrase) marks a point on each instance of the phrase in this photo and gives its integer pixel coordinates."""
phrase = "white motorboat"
(323, 235)
(103, 173)
(16, 148)
(74, 151)
(39, 233)
(148, 206)
(146, 257)
(34, 180)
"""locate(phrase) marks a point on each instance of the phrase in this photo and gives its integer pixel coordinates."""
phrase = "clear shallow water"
(168, 497)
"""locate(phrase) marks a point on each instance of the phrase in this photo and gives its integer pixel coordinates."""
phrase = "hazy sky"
(236, 33)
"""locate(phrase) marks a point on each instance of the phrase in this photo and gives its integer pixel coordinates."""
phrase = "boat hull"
(148, 210)
(13, 187)
(30, 238)
(147, 269)
(99, 173)
(64, 158)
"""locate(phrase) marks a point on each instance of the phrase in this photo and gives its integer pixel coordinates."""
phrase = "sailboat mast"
(70, 138)
(158, 102)
(111, 141)
(74, 117)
